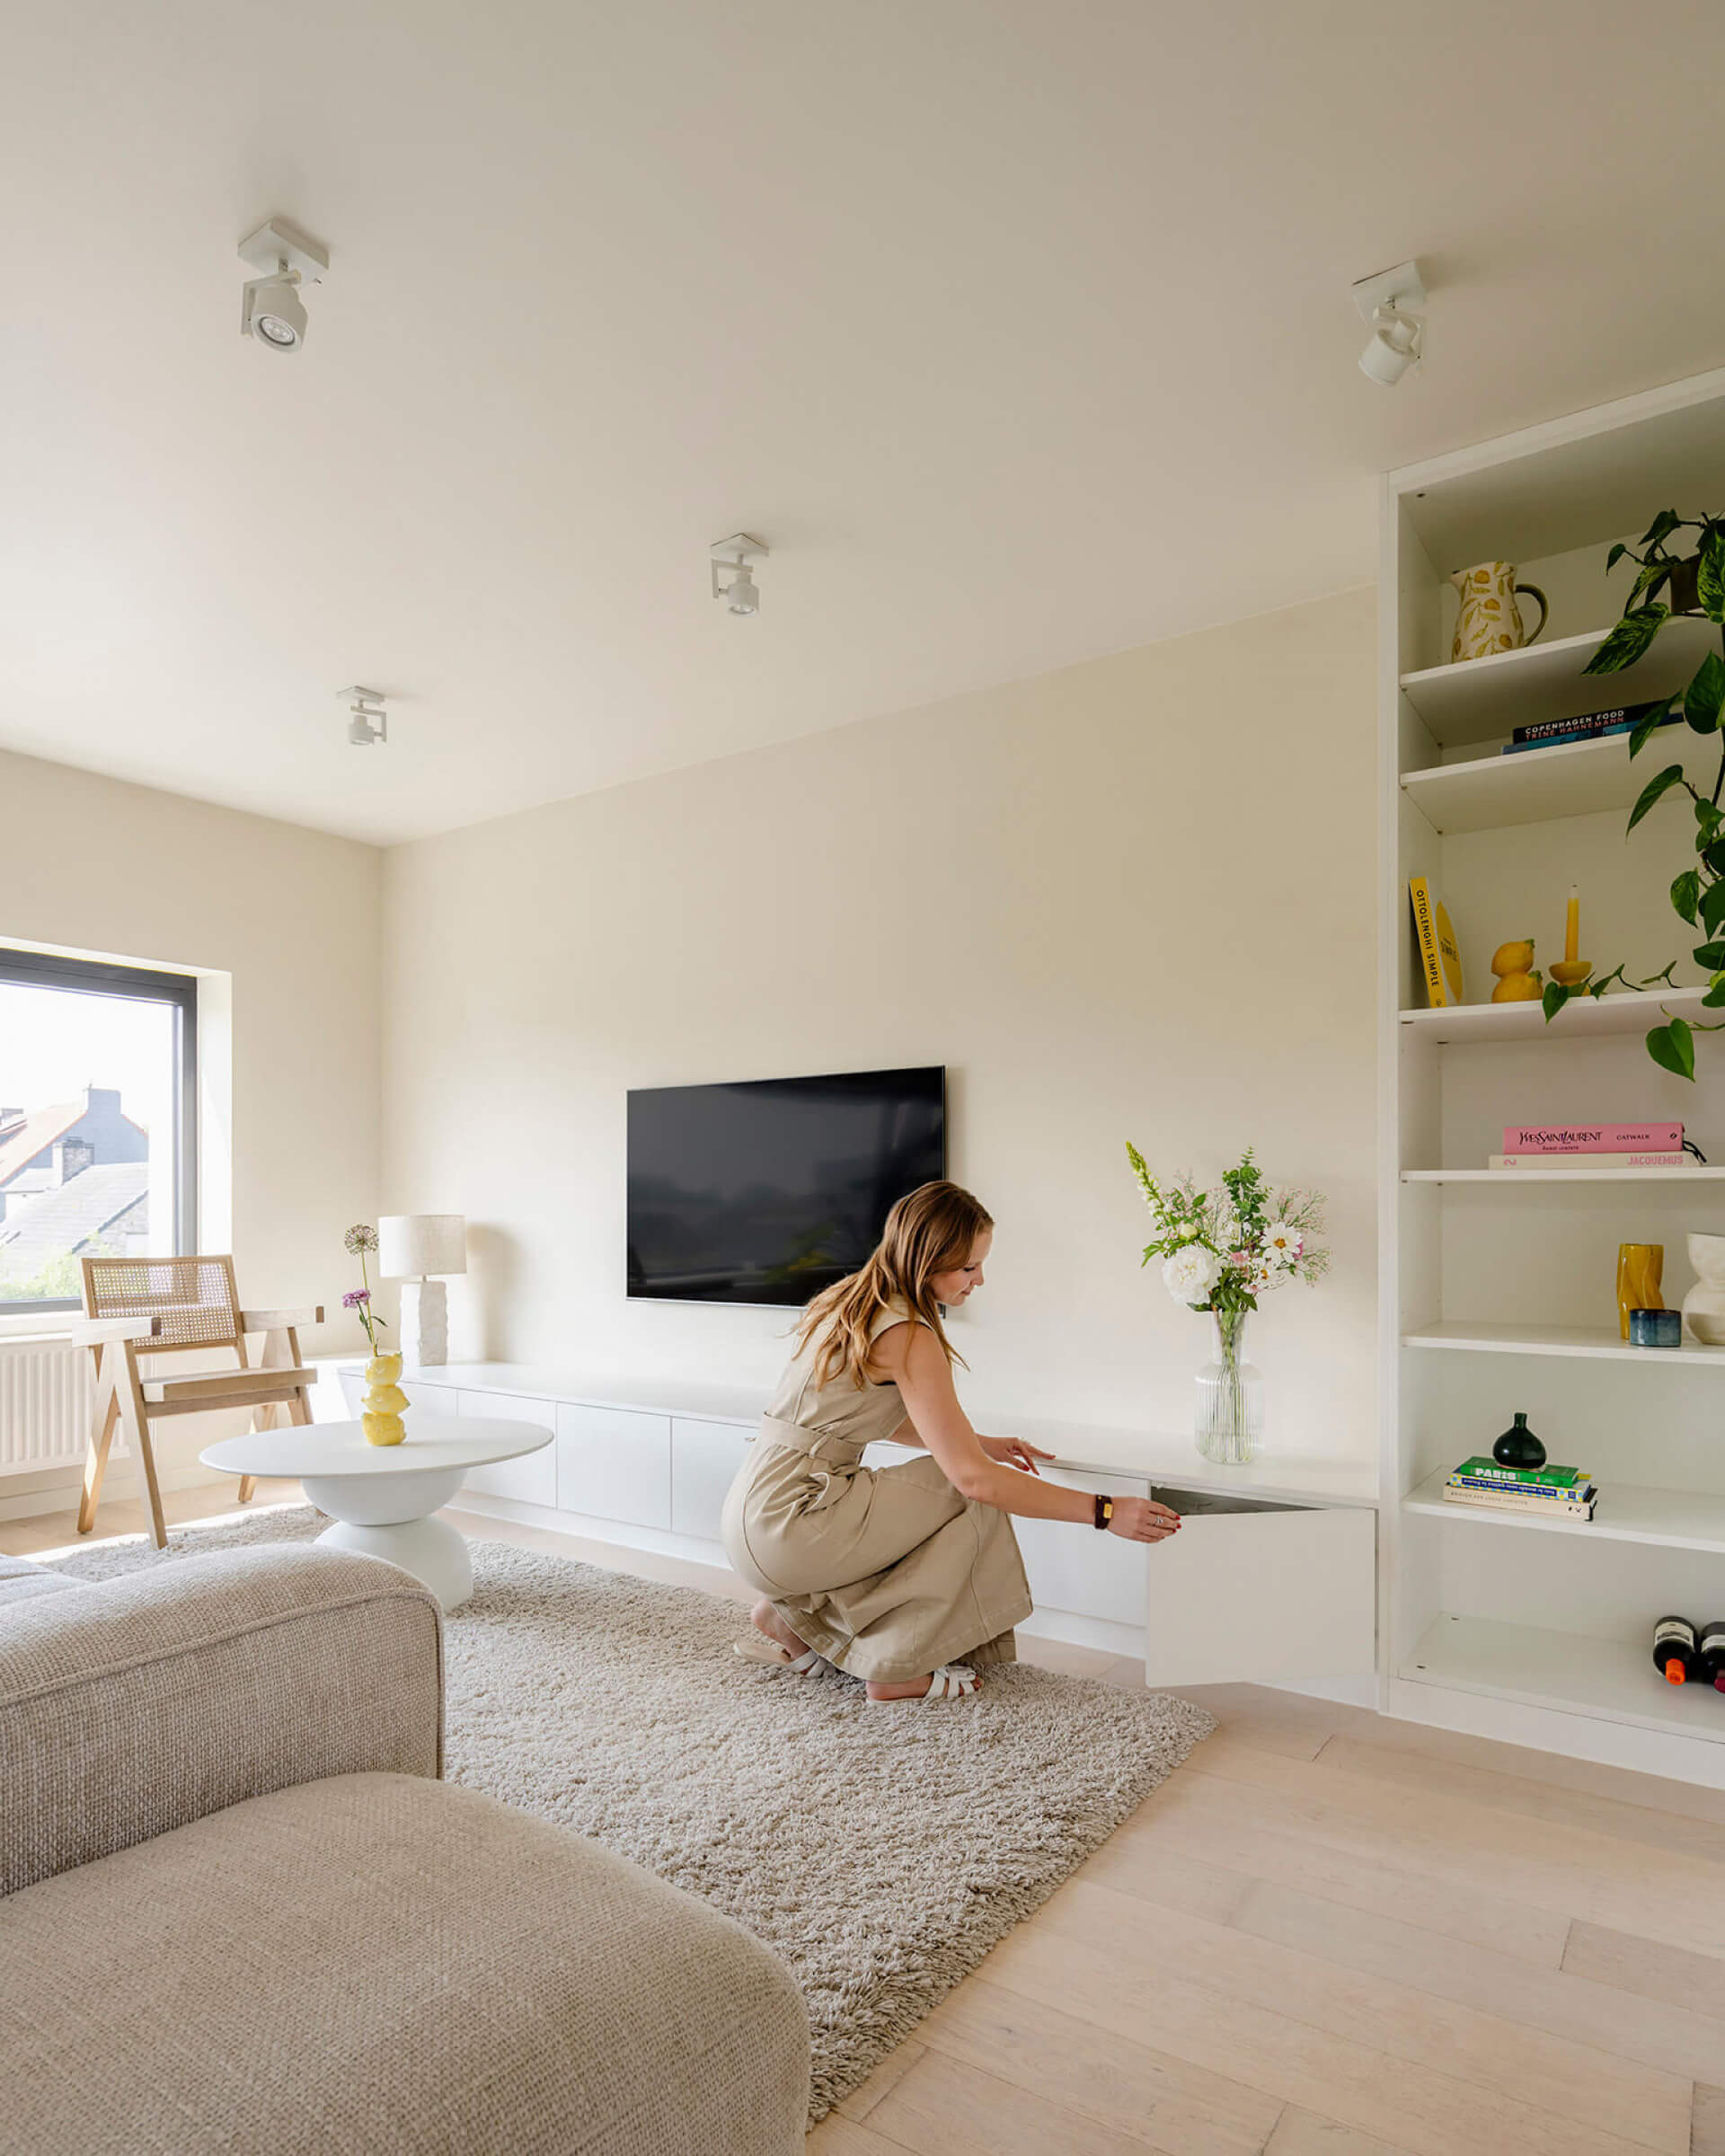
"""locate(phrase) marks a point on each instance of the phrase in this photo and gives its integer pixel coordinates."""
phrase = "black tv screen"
(769, 1190)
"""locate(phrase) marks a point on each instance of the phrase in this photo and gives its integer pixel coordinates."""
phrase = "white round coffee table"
(381, 1496)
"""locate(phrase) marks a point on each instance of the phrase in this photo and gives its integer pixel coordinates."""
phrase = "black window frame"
(137, 983)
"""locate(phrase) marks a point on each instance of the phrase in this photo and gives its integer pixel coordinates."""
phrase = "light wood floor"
(1329, 1934)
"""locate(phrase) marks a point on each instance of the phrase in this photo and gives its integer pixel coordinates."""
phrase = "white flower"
(1283, 1243)
(1191, 1274)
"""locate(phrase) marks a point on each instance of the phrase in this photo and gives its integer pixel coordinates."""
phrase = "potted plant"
(1697, 893)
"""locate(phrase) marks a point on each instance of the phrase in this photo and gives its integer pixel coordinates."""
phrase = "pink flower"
(356, 1298)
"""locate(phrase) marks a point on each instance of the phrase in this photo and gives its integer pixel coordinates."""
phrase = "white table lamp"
(411, 1248)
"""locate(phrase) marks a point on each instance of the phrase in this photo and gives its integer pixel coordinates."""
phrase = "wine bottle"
(1675, 1650)
(1710, 1647)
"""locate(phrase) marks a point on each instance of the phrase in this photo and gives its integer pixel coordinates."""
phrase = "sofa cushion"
(377, 1964)
(22, 1581)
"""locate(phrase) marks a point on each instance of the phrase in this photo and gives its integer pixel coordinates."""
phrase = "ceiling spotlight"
(368, 722)
(1388, 302)
(739, 591)
(270, 308)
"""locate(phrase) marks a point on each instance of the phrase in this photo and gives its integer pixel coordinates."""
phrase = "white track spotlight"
(1389, 302)
(270, 308)
(368, 722)
(735, 553)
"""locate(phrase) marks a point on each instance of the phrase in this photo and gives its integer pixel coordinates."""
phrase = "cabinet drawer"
(615, 1464)
(705, 1460)
(1235, 1598)
(531, 1479)
(1074, 1568)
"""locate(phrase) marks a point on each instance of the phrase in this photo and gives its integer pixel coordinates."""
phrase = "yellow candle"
(1572, 930)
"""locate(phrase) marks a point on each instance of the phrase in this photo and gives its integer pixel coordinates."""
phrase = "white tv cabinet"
(1497, 1291)
(1271, 1577)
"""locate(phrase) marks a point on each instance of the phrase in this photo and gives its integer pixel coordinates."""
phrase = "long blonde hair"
(929, 1230)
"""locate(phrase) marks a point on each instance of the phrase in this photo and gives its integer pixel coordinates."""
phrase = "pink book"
(1593, 1137)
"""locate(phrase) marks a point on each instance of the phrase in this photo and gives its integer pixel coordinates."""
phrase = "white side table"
(381, 1496)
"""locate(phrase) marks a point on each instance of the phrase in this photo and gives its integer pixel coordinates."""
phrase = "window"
(98, 1101)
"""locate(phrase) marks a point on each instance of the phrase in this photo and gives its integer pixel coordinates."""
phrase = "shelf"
(1580, 778)
(1677, 1519)
(1629, 1011)
(1484, 699)
(1613, 1680)
(1477, 1337)
(1510, 1176)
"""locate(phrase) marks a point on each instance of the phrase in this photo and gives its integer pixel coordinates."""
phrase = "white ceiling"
(1022, 333)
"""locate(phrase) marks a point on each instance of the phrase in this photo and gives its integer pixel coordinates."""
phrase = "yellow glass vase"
(1640, 1267)
(383, 1401)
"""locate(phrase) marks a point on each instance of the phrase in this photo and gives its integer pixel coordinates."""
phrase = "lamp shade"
(410, 1245)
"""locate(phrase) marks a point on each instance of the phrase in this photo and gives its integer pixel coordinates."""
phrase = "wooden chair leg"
(101, 1437)
(135, 1424)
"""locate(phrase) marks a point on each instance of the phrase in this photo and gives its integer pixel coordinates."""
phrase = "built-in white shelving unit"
(1533, 1627)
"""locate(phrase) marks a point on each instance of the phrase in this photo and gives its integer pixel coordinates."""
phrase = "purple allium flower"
(361, 1236)
(356, 1298)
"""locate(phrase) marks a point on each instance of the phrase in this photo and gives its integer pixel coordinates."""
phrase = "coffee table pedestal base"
(431, 1550)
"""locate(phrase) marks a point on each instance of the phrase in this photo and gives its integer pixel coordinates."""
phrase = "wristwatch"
(1105, 1510)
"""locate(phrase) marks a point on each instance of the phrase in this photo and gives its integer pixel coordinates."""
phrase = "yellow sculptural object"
(381, 1408)
(1517, 983)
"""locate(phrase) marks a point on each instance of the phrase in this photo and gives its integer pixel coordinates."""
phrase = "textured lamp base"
(425, 1323)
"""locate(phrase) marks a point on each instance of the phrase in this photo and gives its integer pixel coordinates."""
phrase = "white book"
(1590, 1160)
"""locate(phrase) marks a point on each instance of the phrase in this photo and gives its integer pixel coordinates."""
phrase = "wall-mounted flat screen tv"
(769, 1190)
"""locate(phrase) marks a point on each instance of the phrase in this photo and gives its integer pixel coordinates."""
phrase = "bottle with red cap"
(1677, 1650)
(1710, 1650)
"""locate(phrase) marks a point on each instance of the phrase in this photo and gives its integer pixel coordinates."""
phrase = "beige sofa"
(241, 1913)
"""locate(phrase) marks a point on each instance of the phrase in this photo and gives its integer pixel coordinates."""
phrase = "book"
(1593, 1137)
(1496, 1501)
(1590, 1160)
(1439, 953)
(1549, 1477)
(1547, 1494)
(1622, 719)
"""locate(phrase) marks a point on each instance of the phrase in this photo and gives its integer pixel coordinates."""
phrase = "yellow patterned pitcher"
(1490, 620)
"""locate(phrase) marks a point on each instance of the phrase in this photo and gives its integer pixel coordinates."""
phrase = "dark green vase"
(1519, 1447)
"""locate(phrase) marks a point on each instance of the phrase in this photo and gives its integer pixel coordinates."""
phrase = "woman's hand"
(1142, 1520)
(1012, 1452)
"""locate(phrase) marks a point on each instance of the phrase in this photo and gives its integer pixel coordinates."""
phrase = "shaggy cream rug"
(880, 1851)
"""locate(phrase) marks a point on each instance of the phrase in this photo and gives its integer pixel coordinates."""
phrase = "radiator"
(46, 1395)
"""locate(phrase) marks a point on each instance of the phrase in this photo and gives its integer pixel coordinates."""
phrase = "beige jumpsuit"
(888, 1572)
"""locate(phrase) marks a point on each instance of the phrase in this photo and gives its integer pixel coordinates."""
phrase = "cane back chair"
(138, 1307)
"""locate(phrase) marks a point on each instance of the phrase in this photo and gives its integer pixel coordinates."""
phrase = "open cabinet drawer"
(1255, 1592)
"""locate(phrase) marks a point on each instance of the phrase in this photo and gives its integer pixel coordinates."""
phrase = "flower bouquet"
(1220, 1251)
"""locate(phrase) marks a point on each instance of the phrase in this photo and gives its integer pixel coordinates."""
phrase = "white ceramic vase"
(1703, 1307)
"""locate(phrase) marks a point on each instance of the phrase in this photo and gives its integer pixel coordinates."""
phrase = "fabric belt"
(824, 1445)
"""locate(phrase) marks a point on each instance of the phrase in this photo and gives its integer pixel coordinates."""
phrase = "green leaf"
(1705, 695)
(1708, 957)
(1714, 998)
(1712, 908)
(1627, 641)
(1672, 775)
(1707, 822)
(1673, 1049)
(1653, 576)
(1685, 898)
(1646, 728)
(1661, 527)
(1712, 581)
(1616, 556)
(1553, 1000)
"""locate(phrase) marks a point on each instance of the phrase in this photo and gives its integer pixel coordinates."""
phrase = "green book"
(1548, 1477)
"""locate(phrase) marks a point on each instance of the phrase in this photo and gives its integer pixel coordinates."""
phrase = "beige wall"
(90, 864)
(1132, 898)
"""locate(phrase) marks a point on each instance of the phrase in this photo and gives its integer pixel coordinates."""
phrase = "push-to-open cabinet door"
(1245, 1593)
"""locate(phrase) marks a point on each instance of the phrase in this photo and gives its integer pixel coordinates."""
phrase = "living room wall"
(286, 922)
(1133, 898)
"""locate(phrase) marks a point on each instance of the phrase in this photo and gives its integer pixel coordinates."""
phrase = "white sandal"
(768, 1655)
(950, 1681)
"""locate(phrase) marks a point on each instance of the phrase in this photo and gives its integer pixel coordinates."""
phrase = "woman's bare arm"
(911, 1356)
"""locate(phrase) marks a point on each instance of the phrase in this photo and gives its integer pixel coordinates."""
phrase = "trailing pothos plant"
(1694, 582)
